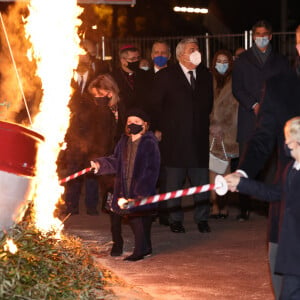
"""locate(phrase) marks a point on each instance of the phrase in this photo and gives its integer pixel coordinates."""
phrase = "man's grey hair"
(180, 46)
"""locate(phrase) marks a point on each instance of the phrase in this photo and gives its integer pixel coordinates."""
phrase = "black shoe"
(177, 227)
(116, 250)
(92, 212)
(244, 216)
(134, 257)
(203, 226)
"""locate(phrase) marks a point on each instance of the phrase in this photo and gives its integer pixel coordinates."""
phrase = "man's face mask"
(134, 66)
(160, 60)
(262, 42)
(195, 58)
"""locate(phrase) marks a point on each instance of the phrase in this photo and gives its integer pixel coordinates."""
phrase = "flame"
(52, 29)
(10, 246)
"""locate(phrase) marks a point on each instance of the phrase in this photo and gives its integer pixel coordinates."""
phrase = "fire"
(52, 29)
(10, 246)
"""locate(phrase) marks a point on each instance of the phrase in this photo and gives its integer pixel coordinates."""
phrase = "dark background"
(156, 17)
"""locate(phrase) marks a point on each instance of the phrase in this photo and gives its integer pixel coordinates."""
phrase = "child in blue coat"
(136, 163)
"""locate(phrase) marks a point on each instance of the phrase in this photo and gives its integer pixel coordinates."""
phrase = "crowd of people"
(147, 128)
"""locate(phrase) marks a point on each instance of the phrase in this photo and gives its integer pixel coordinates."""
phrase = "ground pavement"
(228, 263)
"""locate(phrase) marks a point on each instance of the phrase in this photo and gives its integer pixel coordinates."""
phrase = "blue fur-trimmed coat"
(145, 171)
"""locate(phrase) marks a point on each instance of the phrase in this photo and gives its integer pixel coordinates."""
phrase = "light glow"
(195, 10)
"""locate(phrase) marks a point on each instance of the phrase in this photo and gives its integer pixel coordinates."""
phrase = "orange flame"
(52, 29)
(10, 246)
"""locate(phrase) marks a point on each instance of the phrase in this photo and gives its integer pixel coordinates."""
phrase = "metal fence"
(282, 42)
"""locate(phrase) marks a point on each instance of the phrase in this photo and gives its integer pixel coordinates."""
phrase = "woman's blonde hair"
(106, 82)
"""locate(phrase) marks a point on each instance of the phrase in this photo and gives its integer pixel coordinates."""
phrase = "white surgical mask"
(262, 42)
(145, 68)
(195, 58)
(222, 67)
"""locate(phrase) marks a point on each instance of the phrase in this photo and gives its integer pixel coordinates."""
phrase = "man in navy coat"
(281, 103)
(183, 98)
(288, 256)
(250, 73)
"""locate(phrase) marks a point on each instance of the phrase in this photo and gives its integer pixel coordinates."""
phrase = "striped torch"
(220, 186)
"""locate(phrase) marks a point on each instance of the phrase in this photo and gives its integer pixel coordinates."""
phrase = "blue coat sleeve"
(260, 190)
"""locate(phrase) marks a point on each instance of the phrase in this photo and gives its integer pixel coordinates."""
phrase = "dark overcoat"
(145, 171)
(131, 95)
(281, 103)
(182, 115)
(248, 84)
(288, 255)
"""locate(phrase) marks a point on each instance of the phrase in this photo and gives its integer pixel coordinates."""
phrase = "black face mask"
(134, 128)
(287, 151)
(133, 66)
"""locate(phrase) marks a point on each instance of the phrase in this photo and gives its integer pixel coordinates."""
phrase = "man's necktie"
(193, 80)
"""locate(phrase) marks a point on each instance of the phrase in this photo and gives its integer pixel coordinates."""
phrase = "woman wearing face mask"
(223, 122)
(97, 115)
(136, 163)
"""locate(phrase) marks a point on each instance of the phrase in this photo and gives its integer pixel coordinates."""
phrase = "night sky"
(236, 15)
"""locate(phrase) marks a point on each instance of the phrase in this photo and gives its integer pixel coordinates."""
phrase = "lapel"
(182, 78)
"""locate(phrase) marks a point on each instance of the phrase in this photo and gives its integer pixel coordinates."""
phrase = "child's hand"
(96, 166)
(233, 180)
(125, 203)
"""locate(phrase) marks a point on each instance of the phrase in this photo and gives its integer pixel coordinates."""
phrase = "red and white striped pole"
(75, 175)
(220, 186)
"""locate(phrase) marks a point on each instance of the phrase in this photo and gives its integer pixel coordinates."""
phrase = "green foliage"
(46, 268)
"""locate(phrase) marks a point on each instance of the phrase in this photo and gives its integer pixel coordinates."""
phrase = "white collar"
(186, 70)
(296, 165)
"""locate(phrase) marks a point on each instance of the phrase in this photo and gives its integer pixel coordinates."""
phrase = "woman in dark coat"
(136, 163)
(97, 121)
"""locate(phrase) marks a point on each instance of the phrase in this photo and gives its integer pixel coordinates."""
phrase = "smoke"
(12, 106)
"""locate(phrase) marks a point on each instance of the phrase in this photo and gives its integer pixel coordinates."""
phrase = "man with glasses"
(130, 78)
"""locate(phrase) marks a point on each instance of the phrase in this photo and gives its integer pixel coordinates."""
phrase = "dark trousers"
(116, 230)
(141, 228)
(73, 191)
(267, 175)
(290, 288)
(175, 179)
(162, 205)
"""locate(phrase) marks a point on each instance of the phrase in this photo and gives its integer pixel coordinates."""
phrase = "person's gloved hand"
(96, 166)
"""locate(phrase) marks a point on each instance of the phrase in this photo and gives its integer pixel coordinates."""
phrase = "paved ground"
(228, 263)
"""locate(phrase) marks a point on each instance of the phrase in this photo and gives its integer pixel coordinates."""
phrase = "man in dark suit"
(281, 103)
(74, 157)
(250, 72)
(160, 55)
(182, 98)
(131, 80)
